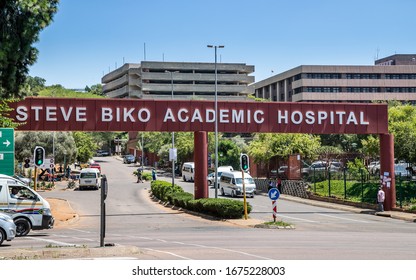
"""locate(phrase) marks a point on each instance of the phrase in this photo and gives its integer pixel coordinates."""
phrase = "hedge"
(217, 207)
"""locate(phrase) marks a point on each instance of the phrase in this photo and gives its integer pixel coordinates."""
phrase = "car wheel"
(232, 193)
(222, 192)
(209, 183)
(184, 178)
(2, 236)
(22, 226)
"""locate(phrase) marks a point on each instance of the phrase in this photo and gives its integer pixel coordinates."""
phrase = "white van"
(26, 207)
(188, 171)
(231, 183)
(89, 178)
(225, 168)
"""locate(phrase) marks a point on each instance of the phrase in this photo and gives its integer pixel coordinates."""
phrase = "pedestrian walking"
(154, 174)
(270, 186)
(279, 184)
(139, 175)
(381, 196)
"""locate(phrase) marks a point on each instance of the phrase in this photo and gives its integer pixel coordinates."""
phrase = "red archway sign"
(82, 114)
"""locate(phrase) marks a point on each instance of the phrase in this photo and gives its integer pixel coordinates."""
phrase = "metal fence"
(359, 186)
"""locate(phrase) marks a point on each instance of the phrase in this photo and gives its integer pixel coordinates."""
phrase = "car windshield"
(88, 175)
(246, 181)
(400, 169)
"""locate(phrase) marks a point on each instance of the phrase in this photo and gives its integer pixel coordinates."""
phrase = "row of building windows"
(356, 89)
(175, 82)
(356, 76)
(323, 76)
(193, 71)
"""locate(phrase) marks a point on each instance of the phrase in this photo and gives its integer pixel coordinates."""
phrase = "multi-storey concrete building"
(187, 80)
(391, 78)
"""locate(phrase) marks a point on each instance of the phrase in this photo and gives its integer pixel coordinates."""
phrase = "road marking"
(195, 245)
(52, 241)
(343, 218)
(166, 252)
(300, 219)
(229, 250)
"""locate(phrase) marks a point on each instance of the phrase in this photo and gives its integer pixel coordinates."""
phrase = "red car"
(95, 165)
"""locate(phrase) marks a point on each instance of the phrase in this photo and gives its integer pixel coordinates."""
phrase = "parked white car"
(7, 228)
(371, 167)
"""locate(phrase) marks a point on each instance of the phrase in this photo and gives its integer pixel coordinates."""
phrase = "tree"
(20, 23)
(35, 84)
(371, 147)
(64, 145)
(402, 124)
(95, 89)
(265, 146)
(86, 146)
(5, 120)
(229, 153)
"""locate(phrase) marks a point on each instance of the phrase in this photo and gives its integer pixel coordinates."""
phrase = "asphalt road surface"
(133, 219)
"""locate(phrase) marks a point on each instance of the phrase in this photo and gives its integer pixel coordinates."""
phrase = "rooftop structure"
(392, 78)
(187, 80)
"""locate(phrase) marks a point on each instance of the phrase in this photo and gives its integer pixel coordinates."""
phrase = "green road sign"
(7, 151)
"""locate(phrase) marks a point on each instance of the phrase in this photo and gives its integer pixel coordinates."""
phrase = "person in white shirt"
(381, 196)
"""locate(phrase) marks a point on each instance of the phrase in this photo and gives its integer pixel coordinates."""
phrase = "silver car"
(211, 177)
(7, 228)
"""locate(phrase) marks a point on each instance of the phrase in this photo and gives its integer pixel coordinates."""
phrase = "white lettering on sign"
(57, 113)
(51, 113)
(224, 116)
(320, 117)
(124, 115)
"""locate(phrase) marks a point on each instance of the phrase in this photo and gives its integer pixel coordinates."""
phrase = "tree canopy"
(20, 23)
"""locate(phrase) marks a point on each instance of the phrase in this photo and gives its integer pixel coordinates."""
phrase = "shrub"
(162, 189)
(180, 199)
(217, 207)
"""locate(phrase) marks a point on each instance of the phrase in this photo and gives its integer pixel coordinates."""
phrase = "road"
(165, 234)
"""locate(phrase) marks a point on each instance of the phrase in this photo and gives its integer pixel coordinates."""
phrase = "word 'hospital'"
(319, 117)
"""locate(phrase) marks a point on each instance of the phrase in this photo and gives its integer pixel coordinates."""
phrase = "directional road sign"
(274, 194)
(7, 151)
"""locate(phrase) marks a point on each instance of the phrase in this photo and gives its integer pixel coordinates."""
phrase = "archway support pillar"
(201, 164)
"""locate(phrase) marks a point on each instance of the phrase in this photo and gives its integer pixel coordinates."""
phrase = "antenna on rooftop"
(144, 52)
(376, 56)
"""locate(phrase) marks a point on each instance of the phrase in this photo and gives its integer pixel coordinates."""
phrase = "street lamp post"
(216, 121)
(173, 133)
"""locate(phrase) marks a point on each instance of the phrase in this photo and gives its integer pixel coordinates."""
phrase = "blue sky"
(90, 37)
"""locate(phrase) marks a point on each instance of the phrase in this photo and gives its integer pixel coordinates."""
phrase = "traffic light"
(244, 162)
(39, 156)
(27, 163)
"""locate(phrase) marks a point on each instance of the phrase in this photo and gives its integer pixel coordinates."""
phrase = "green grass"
(355, 191)
(278, 223)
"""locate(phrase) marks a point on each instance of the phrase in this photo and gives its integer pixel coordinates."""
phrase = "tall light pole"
(172, 154)
(216, 121)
